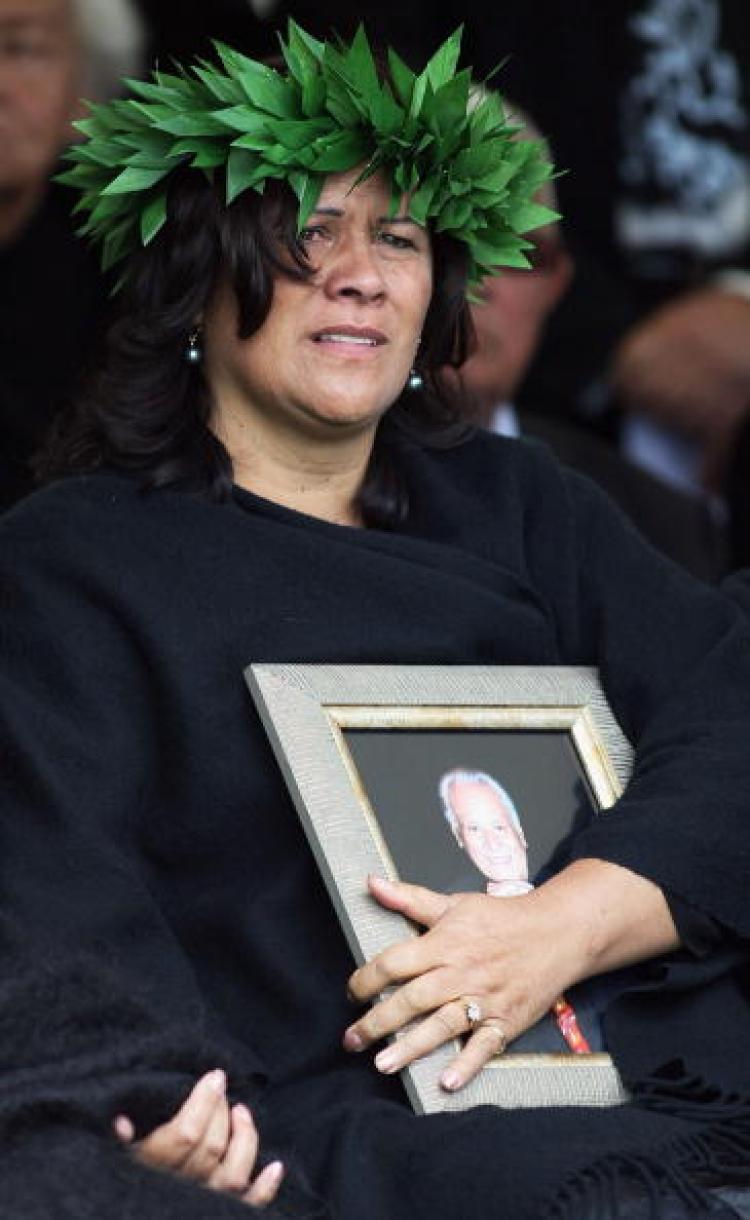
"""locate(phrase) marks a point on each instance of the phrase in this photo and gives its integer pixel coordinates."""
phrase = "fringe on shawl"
(679, 1172)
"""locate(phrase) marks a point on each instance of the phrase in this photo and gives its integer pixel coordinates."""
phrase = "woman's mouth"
(350, 337)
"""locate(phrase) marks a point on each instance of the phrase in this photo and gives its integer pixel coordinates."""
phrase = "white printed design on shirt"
(687, 90)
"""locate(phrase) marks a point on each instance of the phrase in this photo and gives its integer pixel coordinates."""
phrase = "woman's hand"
(513, 957)
(479, 948)
(210, 1142)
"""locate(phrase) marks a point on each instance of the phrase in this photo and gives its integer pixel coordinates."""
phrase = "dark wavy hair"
(146, 410)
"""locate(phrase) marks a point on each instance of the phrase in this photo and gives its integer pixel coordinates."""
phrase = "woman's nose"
(353, 270)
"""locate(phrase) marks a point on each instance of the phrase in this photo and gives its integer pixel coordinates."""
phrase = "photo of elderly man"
(485, 823)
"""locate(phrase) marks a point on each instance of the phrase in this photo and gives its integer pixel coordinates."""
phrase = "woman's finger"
(171, 1145)
(486, 1042)
(266, 1186)
(124, 1129)
(446, 1024)
(236, 1168)
(211, 1149)
(396, 964)
(420, 995)
(416, 902)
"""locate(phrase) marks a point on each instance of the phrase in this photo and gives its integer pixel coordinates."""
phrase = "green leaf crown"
(456, 159)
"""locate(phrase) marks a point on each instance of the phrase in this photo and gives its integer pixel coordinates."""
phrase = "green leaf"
(403, 78)
(340, 104)
(204, 154)
(308, 199)
(266, 89)
(450, 102)
(221, 88)
(313, 96)
(340, 153)
(419, 203)
(304, 45)
(117, 243)
(508, 253)
(360, 65)
(298, 134)
(153, 217)
(150, 91)
(532, 216)
(135, 180)
(101, 153)
(205, 124)
(418, 95)
(497, 178)
(242, 118)
(241, 166)
(442, 66)
(454, 215)
(386, 115)
(476, 161)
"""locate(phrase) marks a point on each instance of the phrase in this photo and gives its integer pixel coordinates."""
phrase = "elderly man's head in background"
(53, 52)
(486, 825)
(514, 306)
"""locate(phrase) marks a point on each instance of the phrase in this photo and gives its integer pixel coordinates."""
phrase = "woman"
(238, 494)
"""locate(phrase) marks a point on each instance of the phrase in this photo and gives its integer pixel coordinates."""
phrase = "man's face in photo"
(487, 831)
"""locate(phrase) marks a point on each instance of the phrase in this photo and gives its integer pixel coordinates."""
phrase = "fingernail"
(241, 1111)
(276, 1171)
(353, 1041)
(450, 1081)
(386, 1061)
(217, 1081)
(124, 1129)
(381, 881)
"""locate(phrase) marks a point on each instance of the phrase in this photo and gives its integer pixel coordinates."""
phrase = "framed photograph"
(458, 778)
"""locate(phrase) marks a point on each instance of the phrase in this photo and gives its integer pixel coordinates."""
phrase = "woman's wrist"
(611, 917)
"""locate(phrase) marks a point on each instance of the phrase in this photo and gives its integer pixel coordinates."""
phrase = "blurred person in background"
(52, 295)
(510, 318)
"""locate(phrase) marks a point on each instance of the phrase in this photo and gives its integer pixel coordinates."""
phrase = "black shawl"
(143, 816)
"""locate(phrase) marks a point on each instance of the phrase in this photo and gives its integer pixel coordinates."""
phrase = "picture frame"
(364, 750)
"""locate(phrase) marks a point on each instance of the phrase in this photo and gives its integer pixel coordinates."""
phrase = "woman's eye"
(310, 234)
(397, 241)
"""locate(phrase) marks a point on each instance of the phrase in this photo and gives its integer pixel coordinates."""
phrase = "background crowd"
(627, 348)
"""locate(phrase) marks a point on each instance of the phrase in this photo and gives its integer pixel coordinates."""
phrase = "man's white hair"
(461, 776)
(113, 37)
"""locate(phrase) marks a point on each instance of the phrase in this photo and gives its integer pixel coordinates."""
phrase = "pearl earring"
(194, 351)
(415, 381)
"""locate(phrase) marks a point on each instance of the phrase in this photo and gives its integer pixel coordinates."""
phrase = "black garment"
(737, 587)
(52, 305)
(76, 1048)
(678, 525)
(144, 814)
(738, 496)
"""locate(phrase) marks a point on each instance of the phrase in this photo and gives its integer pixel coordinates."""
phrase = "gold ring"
(497, 1028)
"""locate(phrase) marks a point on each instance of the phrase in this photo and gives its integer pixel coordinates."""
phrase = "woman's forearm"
(615, 917)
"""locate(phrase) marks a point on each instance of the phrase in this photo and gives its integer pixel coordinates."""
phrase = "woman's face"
(335, 351)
